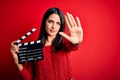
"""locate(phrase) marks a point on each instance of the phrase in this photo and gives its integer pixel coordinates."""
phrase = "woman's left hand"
(75, 30)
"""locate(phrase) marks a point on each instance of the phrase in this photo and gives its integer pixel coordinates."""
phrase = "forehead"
(54, 17)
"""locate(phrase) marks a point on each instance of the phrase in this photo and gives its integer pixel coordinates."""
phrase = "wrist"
(19, 66)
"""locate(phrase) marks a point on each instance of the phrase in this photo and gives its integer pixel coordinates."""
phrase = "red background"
(98, 57)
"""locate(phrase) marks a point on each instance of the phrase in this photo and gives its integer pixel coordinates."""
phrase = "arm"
(25, 73)
(75, 36)
(69, 46)
(14, 50)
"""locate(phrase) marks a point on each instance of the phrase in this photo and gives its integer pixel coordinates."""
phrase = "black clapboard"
(29, 51)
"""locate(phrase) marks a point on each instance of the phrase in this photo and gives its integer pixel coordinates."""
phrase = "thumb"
(64, 35)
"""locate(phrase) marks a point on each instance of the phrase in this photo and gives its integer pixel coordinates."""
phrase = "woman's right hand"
(14, 50)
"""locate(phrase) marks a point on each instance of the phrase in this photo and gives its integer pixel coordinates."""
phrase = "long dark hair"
(57, 42)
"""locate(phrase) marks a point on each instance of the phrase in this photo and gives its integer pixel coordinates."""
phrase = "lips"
(52, 31)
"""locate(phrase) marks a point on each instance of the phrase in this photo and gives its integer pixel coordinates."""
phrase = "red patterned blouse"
(55, 66)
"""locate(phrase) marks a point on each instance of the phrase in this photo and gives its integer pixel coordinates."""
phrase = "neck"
(49, 40)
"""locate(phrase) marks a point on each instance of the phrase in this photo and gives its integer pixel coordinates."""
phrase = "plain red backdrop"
(98, 57)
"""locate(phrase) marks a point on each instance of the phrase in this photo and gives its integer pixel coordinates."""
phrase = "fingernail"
(67, 13)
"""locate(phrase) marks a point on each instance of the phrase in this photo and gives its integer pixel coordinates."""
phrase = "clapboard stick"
(25, 36)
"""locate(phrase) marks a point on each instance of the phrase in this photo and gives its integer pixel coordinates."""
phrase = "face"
(52, 25)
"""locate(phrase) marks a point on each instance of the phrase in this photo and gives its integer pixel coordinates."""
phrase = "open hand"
(75, 30)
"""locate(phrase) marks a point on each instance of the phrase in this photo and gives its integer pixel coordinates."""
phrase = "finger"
(14, 47)
(64, 35)
(73, 20)
(17, 48)
(78, 22)
(13, 43)
(66, 19)
(12, 50)
(69, 20)
(79, 25)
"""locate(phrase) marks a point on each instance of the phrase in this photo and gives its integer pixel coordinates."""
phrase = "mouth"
(52, 31)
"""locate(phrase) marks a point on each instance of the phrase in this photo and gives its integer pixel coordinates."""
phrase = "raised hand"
(75, 30)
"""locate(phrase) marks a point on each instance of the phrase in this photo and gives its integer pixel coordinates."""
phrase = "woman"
(56, 46)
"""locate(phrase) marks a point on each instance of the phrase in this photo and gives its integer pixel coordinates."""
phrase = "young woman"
(56, 46)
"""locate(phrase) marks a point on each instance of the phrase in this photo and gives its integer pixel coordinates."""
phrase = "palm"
(75, 30)
(75, 35)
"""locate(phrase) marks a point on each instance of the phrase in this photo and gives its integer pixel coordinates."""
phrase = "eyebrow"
(53, 21)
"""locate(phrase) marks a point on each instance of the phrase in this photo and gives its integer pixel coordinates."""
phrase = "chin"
(52, 34)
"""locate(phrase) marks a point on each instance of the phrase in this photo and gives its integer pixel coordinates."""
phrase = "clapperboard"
(29, 51)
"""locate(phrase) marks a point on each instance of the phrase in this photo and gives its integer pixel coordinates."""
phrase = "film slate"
(29, 51)
(25, 36)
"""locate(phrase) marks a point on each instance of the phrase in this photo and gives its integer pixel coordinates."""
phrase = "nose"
(53, 26)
